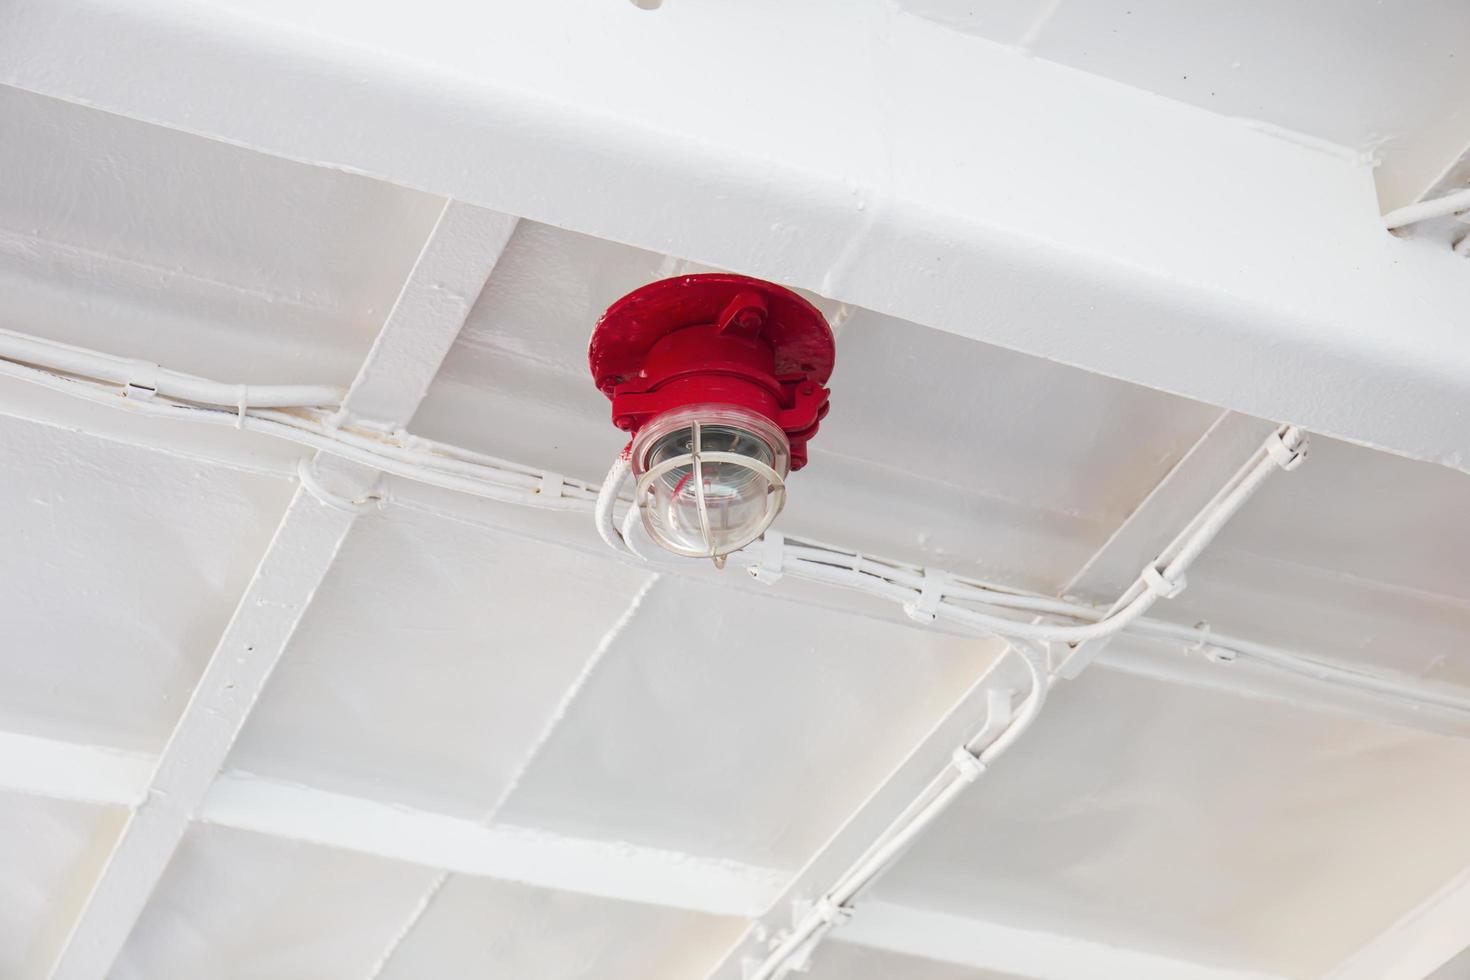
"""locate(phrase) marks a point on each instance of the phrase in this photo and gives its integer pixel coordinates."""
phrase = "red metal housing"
(715, 339)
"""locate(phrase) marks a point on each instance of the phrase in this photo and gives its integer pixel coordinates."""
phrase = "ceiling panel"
(840, 961)
(1201, 826)
(1365, 516)
(121, 568)
(736, 726)
(208, 257)
(431, 661)
(238, 906)
(49, 853)
(1372, 76)
(1006, 21)
(1357, 555)
(479, 928)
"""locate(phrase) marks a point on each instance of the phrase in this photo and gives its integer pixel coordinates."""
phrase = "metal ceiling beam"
(607, 869)
(447, 278)
(1410, 950)
(1072, 218)
(58, 770)
(622, 872)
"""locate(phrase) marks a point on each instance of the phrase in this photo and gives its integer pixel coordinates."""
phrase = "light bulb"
(711, 478)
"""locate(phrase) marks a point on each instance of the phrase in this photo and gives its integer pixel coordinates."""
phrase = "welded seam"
(572, 694)
(553, 721)
(1027, 41)
(415, 916)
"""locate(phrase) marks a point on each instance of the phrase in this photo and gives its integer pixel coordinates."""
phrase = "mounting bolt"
(746, 313)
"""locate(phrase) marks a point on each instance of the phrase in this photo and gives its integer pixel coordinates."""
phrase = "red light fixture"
(720, 380)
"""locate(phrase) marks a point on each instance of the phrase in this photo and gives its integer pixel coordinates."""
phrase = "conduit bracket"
(142, 380)
(969, 765)
(925, 608)
(1287, 457)
(832, 913)
(773, 553)
(551, 485)
(1155, 581)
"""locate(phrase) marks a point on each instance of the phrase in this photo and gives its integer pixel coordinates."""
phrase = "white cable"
(968, 763)
(463, 470)
(930, 595)
(1424, 210)
(312, 431)
(150, 377)
(607, 499)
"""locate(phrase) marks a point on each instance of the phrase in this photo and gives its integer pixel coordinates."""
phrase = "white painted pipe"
(149, 377)
(607, 499)
(836, 903)
(1424, 210)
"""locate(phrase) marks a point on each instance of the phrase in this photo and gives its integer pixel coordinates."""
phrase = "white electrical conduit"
(412, 458)
(969, 762)
(144, 376)
(462, 470)
(1164, 577)
(1424, 210)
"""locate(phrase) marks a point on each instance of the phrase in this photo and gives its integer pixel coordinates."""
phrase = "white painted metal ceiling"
(491, 748)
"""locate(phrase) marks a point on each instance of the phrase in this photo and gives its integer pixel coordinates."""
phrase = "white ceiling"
(498, 668)
(1386, 79)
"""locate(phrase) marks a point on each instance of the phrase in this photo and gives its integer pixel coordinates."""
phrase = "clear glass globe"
(711, 478)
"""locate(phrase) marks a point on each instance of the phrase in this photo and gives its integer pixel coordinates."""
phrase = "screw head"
(750, 318)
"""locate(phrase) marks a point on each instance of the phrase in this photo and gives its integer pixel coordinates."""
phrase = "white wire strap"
(925, 609)
(831, 913)
(1288, 457)
(773, 553)
(967, 764)
(1156, 582)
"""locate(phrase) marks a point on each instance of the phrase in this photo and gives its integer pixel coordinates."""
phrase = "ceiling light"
(720, 381)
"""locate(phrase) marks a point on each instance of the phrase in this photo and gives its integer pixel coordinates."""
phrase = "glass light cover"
(711, 478)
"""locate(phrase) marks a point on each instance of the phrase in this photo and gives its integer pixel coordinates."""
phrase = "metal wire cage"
(710, 478)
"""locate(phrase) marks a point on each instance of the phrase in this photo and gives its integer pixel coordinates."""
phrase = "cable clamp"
(1283, 455)
(242, 402)
(142, 380)
(773, 554)
(1155, 581)
(1202, 628)
(925, 608)
(832, 913)
(967, 764)
(551, 485)
(313, 485)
